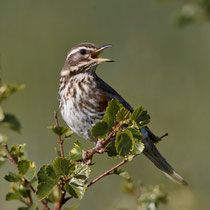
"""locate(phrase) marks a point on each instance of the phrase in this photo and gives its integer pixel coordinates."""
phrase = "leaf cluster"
(127, 139)
(6, 119)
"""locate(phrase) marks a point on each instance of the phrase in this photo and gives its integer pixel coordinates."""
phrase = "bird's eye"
(82, 51)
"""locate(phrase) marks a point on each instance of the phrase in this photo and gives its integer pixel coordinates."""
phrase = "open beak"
(95, 54)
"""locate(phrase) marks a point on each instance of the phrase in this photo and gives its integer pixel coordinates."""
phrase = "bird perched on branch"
(83, 98)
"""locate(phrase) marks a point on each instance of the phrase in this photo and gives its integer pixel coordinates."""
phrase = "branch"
(27, 183)
(108, 172)
(100, 146)
(60, 141)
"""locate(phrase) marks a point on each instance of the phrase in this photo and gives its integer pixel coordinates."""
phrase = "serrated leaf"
(100, 129)
(46, 174)
(82, 171)
(44, 189)
(27, 168)
(50, 172)
(144, 119)
(111, 149)
(124, 142)
(59, 130)
(42, 174)
(111, 111)
(122, 173)
(76, 152)
(123, 114)
(136, 115)
(61, 166)
(12, 177)
(13, 196)
(11, 122)
(76, 188)
(17, 151)
(136, 133)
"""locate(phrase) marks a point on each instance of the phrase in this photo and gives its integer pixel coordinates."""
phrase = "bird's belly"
(80, 119)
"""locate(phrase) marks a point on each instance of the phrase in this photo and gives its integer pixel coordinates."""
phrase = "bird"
(83, 97)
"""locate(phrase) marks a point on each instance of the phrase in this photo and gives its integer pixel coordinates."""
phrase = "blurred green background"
(159, 66)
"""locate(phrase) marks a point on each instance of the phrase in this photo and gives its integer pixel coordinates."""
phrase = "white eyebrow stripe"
(76, 50)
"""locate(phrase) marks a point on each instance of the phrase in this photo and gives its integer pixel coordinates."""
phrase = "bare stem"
(12, 159)
(60, 141)
(59, 203)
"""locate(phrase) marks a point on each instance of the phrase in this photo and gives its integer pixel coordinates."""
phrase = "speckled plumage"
(83, 98)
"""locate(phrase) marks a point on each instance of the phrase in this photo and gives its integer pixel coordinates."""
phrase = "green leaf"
(138, 148)
(136, 133)
(17, 151)
(111, 111)
(12, 177)
(51, 173)
(61, 166)
(27, 168)
(47, 174)
(111, 149)
(59, 130)
(13, 196)
(7, 89)
(76, 188)
(76, 152)
(34, 206)
(44, 189)
(124, 142)
(82, 171)
(100, 129)
(122, 173)
(128, 186)
(136, 115)
(153, 196)
(68, 134)
(144, 119)
(123, 114)
(11, 122)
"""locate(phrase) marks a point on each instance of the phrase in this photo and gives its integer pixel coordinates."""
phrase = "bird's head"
(84, 58)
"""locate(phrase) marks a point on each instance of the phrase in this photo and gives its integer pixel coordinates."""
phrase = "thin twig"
(59, 203)
(12, 159)
(60, 141)
(108, 172)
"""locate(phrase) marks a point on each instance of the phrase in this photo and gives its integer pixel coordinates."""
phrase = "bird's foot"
(100, 146)
(87, 157)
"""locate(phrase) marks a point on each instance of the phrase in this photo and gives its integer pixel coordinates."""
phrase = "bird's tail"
(154, 155)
